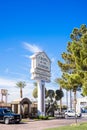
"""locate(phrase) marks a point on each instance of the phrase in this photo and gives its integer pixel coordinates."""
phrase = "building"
(81, 105)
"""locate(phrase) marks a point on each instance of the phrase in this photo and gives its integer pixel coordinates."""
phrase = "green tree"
(74, 67)
(61, 92)
(80, 53)
(54, 97)
(51, 94)
(21, 85)
(58, 96)
(35, 91)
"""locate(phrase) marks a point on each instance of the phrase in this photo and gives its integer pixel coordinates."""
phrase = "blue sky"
(27, 26)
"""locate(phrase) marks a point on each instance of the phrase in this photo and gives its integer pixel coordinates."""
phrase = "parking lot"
(40, 125)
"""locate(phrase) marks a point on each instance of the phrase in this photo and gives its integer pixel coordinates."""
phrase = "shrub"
(43, 117)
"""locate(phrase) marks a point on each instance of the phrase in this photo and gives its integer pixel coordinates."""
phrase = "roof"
(38, 53)
(21, 100)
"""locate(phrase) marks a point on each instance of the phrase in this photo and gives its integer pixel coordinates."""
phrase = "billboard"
(40, 67)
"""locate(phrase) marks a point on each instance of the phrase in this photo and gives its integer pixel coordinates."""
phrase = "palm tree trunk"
(67, 99)
(75, 105)
(60, 102)
(70, 99)
(21, 95)
(60, 105)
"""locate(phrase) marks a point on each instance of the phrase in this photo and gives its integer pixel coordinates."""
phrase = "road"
(40, 125)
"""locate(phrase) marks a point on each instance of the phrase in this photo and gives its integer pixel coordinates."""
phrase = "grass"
(82, 126)
(37, 119)
(25, 120)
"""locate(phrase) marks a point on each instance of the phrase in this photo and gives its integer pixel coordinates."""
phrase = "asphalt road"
(40, 125)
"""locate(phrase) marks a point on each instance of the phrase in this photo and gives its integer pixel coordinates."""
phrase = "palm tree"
(58, 96)
(56, 81)
(21, 84)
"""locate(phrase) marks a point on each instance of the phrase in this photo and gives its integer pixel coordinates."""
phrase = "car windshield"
(72, 111)
(7, 111)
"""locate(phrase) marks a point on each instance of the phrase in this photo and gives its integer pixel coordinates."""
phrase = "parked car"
(71, 113)
(7, 116)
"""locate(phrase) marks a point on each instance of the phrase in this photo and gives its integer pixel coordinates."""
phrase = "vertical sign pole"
(41, 98)
(40, 70)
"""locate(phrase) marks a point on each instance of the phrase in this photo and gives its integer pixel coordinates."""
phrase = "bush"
(43, 117)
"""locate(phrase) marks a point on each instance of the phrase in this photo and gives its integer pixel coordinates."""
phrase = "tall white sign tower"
(41, 72)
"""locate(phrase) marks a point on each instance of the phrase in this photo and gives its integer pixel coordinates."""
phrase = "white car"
(71, 113)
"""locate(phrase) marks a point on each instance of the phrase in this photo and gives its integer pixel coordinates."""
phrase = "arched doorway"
(25, 107)
(22, 106)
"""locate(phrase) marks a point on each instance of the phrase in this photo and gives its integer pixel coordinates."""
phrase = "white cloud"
(27, 56)
(13, 91)
(6, 82)
(52, 59)
(16, 73)
(7, 71)
(32, 48)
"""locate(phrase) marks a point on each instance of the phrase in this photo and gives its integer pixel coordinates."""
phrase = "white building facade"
(81, 104)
